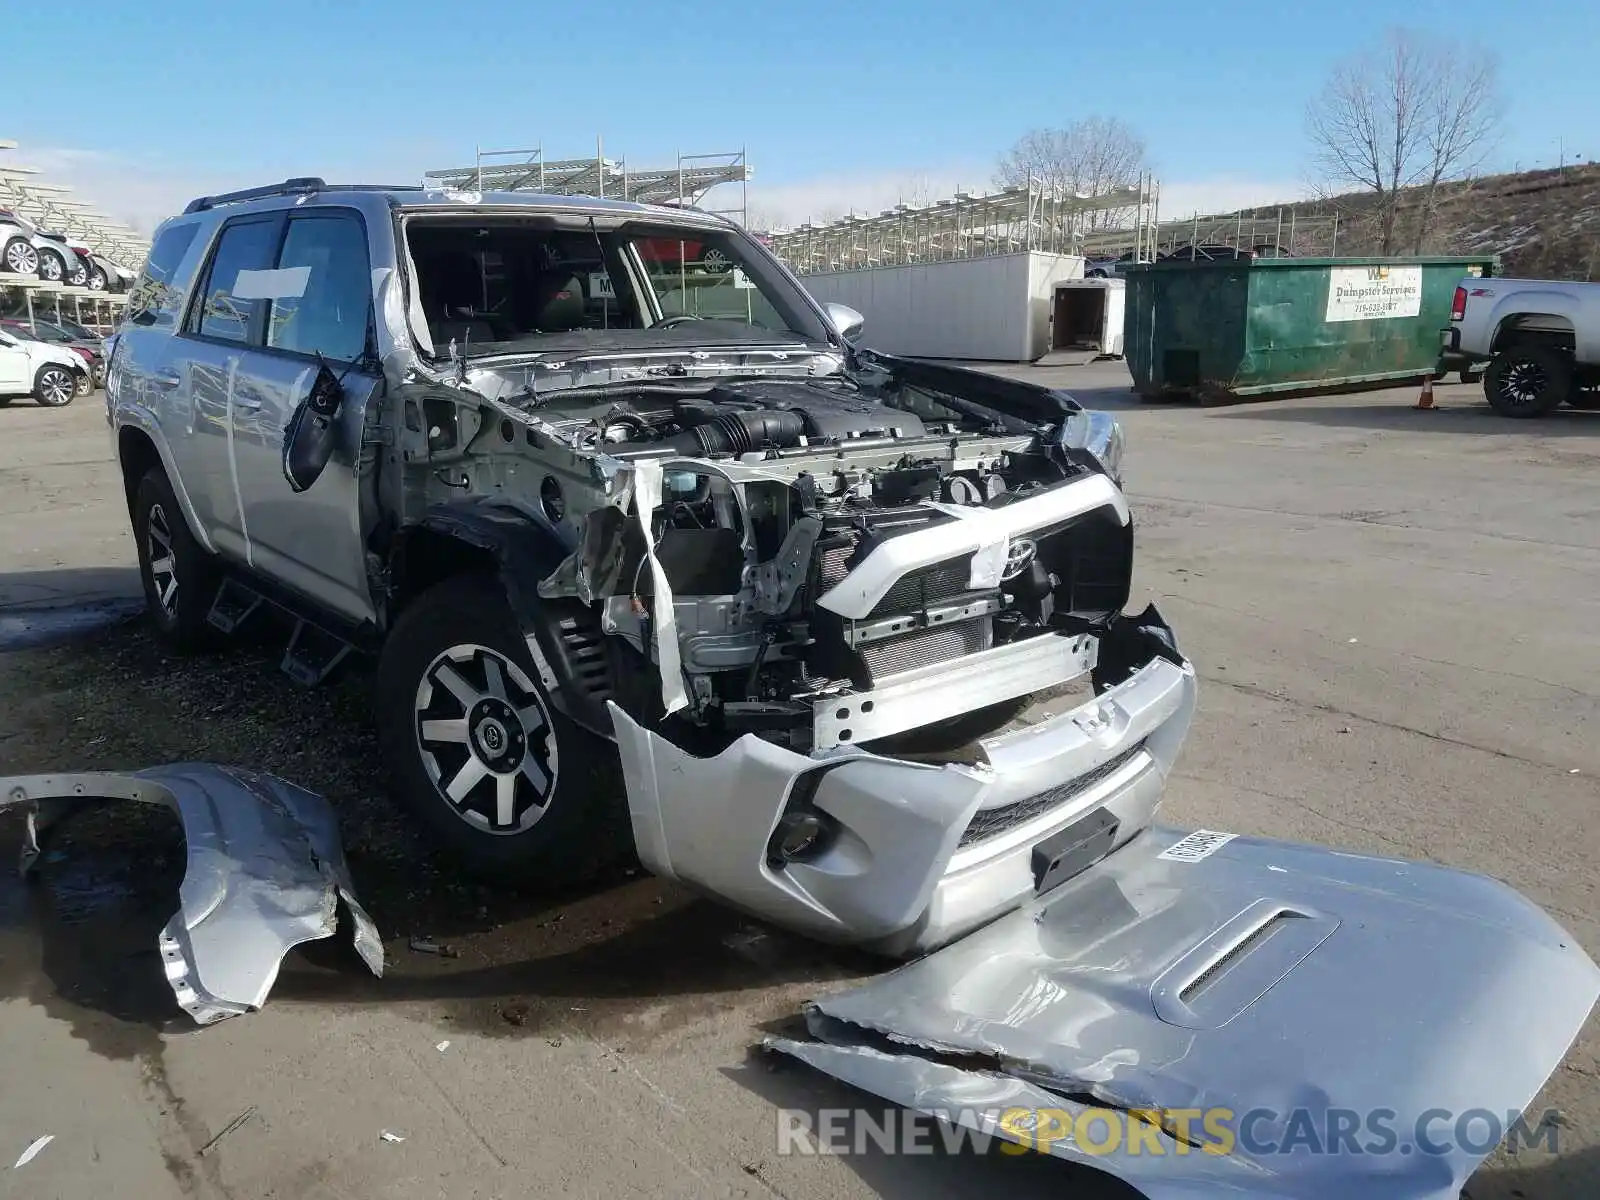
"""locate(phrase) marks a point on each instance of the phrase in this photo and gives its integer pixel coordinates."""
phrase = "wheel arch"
(518, 550)
(138, 450)
(1549, 328)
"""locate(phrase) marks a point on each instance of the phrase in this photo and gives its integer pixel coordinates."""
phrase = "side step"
(313, 653)
(233, 606)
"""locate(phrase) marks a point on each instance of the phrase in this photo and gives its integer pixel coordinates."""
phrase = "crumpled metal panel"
(1233, 976)
(265, 873)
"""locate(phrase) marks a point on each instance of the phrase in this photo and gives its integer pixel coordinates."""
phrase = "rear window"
(152, 295)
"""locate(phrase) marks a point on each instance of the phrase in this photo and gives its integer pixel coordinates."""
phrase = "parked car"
(52, 375)
(1205, 252)
(639, 579)
(89, 346)
(1540, 339)
(54, 249)
(17, 252)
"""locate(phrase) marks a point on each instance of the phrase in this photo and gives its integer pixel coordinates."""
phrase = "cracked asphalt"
(1393, 616)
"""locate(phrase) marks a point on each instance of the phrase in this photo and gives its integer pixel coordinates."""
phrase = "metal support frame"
(687, 182)
(975, 225)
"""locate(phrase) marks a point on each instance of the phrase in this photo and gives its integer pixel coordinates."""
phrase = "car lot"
(1392, 615)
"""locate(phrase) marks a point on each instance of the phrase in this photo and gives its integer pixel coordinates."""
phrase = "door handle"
(166, 379)
(248, 403)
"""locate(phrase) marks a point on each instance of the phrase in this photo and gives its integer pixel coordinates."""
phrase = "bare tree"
(1420, 112)
(1089, 157)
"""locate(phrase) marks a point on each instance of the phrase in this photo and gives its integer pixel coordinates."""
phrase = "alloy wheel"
(1523, 384)
(486, 739)
(163, 564)
(22, 258)
(714, 261)
(56, 387)
(50, 268)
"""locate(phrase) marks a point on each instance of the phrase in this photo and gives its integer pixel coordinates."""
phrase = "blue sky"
(836, 103)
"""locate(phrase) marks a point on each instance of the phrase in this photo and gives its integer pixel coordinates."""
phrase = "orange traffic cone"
(1426, 399)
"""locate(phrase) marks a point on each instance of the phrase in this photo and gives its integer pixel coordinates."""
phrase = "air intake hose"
(741, 432)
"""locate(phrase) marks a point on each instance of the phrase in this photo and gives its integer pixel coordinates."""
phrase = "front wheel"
(478, 752)
(54, 387)
(52, 268)
(1527, 381)
(97, 280)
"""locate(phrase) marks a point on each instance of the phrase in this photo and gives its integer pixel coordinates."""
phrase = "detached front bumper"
(916, 854)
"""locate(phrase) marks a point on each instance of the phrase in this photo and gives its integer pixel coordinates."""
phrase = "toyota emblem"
(1019, 554)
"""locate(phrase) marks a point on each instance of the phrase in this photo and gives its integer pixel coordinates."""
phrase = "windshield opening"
(514, 285)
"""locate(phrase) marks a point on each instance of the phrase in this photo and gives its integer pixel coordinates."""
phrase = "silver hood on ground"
(266, 872)
(1334, 1016)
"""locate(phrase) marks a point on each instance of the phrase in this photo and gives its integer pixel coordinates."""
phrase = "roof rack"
(299, 185)
(289, 187)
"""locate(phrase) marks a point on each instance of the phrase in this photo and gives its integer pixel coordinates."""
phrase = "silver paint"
(265, 873)
(1262, 976)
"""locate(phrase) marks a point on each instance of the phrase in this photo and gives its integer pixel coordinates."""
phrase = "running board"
(312, 654)
(234, 605)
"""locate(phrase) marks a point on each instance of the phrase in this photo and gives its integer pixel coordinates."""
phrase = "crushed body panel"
(265, 873)
(919, 853)
(1216, 974)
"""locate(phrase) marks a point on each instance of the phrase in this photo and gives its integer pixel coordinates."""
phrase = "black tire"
(5, 400)
(557, 837)
(49, 389)
(77, 275)
(85, 385)
(1584, 399)
(179, 585)
(97, 280)
(52, 267)
(1528, 380)
(21, 249)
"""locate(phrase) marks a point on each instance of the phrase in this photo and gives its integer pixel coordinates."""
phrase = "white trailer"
(994, 309)
(1086, 320)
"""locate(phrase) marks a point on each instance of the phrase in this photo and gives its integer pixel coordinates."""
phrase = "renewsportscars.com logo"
(1102, 1131)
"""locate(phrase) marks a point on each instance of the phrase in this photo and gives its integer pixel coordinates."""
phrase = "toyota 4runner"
(654, 558)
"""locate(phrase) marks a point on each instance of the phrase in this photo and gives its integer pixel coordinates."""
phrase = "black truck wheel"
(478, 752)
(1527, 380)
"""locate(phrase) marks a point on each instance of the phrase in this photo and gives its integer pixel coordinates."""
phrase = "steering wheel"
(669, 322)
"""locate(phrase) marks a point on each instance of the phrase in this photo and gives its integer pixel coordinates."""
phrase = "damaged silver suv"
(653, 556)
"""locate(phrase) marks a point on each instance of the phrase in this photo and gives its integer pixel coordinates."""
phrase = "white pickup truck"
(1540, 337)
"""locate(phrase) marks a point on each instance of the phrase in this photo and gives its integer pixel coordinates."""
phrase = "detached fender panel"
(266, 872)
(1234, 976)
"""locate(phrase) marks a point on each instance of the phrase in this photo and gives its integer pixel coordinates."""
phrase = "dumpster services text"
(1374, 293)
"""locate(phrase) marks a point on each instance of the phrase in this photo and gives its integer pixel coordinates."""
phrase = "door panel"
(317, 300)
(201, 372)
(13, 369)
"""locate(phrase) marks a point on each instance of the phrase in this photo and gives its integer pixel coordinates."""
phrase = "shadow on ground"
(1570, 1177)
(1468, 414)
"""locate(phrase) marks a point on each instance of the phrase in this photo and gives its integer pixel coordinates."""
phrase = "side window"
(323, 288)
(153, 292)
(226, 309)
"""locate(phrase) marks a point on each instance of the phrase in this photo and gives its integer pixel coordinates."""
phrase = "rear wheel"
(478, 752)
(77, 274)
(1528, 380)
(52, 267)
(54, 387)
(97, 280)
(180, 579)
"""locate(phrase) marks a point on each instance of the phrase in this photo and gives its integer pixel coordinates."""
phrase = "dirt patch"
(630, 955)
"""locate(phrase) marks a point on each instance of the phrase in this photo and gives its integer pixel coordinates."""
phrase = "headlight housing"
(1098, 433)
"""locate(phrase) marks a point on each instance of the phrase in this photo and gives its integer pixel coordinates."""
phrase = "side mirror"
(846, 320)
(309, 439)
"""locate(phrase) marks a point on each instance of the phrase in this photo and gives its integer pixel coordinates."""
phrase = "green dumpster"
(1234, 328)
